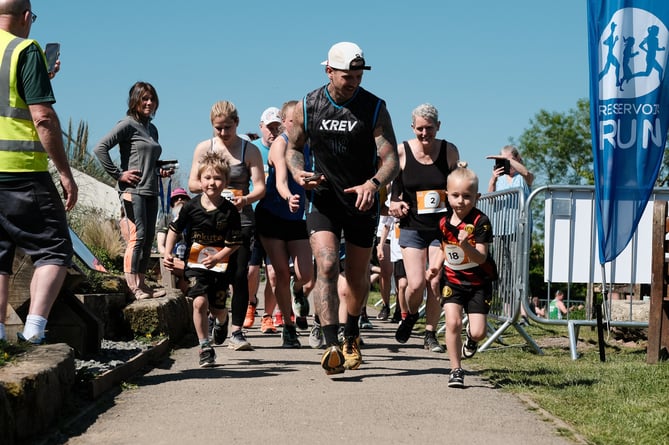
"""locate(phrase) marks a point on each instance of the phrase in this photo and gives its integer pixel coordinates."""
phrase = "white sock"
(3, 336)
(34, 327)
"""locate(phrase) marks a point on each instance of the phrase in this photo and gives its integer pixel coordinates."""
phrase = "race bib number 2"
(431, 201)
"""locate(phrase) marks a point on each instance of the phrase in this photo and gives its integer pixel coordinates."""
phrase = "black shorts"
(213, 285)
(398, 269)
(474, 299)
(258, 254)
(32, 217)
(271, 226)
(359, 229)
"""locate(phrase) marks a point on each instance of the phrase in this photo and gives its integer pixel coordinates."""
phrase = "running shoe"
(35, 340)
(397, 315)
(403, 333)
(207, 357)
(457, 378)
(238, 342)
(300, 303)
(220, 331)
(469, 347)
(289, 337)
(384, 313)
(278, 319)
(351, 352)
(267, 325)
(340, 334)
(333, 360)
(250, 318)
(316, 340)
(364, 322)
(431, 343)
(302, 322)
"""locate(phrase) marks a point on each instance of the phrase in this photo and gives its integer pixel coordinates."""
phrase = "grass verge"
(620, 401)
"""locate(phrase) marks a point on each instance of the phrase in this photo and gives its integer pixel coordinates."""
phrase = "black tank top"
(424, 189)
(341, 138)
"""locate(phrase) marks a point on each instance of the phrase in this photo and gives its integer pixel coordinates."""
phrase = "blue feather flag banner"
(629, 111)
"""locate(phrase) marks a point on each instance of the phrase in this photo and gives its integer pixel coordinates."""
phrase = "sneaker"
(278, 319)
(267, 325)
(289, 337)
(300, 303)
(364, 322)
(333, 360)
(207, 357)
(302, 322)
(340, 334)
(351, 352)
(469, 347)
(316, 340)
(250, 318)
(431, 343)
(238, 342)
(141, 294)
(219, 331)
(397, 316)
(35, 340)
(384, 313)
(457, 378)
(403, 333)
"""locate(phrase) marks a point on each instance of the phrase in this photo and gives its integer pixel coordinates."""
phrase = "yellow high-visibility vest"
(20, 146)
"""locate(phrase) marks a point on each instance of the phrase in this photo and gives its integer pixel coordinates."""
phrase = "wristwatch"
(376, 182)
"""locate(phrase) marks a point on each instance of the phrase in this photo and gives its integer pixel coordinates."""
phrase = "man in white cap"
(353, 144)
(270, 128)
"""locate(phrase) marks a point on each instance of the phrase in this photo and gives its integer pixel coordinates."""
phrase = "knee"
(200, 304)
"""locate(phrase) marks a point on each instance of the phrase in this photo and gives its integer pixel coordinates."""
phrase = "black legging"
(240, 281)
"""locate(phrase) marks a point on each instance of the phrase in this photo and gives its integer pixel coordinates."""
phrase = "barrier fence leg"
(573, 329)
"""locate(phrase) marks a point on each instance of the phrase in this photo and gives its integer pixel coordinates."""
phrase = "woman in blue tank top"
(283, 233)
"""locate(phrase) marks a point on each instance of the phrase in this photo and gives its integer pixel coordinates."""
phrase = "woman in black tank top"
(419, 199)
(246, 167)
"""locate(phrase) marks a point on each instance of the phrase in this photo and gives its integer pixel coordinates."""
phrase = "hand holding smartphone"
(503, 163)
(52, 52)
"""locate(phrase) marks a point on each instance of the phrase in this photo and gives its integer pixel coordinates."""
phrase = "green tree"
(557, 147)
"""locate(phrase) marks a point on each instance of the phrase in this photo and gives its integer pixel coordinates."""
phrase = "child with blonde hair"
(213, 232)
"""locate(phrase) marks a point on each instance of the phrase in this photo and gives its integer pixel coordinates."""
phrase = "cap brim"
(367, 68)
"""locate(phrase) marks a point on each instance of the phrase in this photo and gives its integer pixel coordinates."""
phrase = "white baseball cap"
(346, 56)
(272, 114)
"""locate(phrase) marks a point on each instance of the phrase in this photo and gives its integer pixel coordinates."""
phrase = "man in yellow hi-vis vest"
(32, 214)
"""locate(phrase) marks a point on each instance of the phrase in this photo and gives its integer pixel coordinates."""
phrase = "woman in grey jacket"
(137, 176)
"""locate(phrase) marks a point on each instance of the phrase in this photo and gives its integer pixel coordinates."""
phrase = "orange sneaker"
(278, 319)
(250, 318)
(267, 325)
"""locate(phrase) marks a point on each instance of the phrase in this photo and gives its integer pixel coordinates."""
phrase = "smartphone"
(314, 177)
(52, 52)
(503, 163)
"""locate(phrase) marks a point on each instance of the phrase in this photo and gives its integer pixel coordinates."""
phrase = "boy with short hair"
(468, 269)
(213, 233)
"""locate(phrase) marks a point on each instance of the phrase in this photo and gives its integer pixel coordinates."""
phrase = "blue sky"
(488, 66)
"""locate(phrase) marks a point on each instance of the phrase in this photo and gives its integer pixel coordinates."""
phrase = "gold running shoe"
(351, 352)
(333, 360)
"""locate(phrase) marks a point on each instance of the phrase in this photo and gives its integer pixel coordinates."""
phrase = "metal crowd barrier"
(570, 258)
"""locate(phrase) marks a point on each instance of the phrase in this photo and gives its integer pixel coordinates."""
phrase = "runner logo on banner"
(629, 111)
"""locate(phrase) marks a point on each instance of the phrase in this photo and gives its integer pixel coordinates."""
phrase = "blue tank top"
(274, 203)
